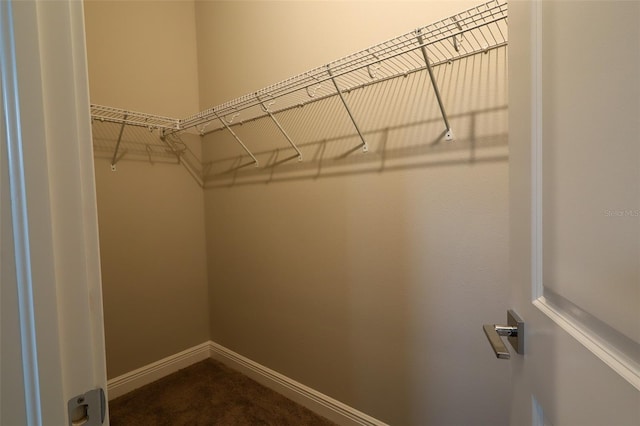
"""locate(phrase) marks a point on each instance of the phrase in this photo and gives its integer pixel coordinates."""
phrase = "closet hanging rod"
(481, 25)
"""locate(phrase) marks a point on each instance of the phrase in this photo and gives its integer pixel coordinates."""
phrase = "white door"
(52, 328)
(574, 81)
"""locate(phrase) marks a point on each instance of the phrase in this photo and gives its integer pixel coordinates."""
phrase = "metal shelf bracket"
(255, 160)
(423, 48)
(114, 160)
(277, 123)
(365, 146)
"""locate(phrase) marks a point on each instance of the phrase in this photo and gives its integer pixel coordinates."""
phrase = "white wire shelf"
(475, 30)
(133, 118)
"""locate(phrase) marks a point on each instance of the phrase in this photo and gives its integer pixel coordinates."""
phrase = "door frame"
(47, 130)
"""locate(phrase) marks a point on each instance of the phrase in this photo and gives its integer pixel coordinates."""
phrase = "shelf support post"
(224, 123)
(277, 123)
(365, 146)
(449, 132)
(114, 160)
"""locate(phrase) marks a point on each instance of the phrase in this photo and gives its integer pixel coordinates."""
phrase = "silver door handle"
(514, 330)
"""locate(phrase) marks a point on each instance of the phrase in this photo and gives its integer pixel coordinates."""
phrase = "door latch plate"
(88, 409)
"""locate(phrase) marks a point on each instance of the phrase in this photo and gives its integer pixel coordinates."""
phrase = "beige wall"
(153, 262)
(367, 278)
(142, 57)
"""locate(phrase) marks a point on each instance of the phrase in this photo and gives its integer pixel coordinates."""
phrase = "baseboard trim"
(317, 402)
(132, 380)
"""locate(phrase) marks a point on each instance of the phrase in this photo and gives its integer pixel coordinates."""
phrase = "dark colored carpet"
(208, 393)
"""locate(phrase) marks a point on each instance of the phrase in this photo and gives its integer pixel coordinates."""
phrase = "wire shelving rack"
(476, 30)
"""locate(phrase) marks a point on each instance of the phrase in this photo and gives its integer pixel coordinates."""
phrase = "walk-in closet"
(319, 212)
(311, 186)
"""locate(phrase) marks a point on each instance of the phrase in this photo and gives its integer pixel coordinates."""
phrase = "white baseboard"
(120, 385)
(317, 402)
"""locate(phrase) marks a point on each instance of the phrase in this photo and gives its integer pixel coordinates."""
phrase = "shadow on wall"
(400, 122)
(116, 142)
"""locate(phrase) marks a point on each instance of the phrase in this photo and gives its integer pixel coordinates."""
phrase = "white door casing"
(574, 105)
(47, 136)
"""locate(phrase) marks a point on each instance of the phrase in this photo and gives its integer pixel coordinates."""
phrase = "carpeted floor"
(208, 393)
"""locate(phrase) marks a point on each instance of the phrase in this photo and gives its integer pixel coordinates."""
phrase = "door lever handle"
(514, 330)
